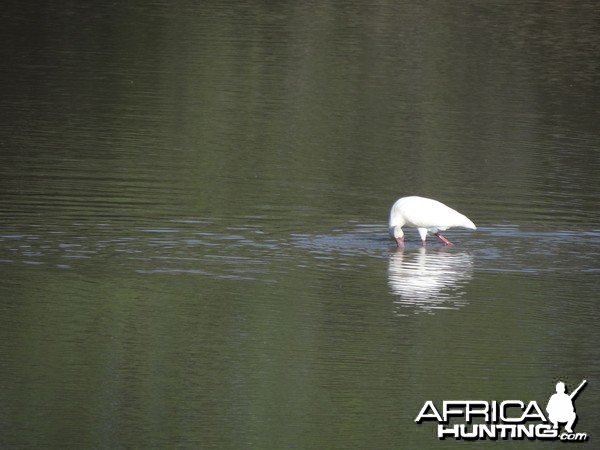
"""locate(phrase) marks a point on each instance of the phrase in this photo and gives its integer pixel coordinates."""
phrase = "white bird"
(426, 215)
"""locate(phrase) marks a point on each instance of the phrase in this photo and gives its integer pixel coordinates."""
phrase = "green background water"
(193, 219)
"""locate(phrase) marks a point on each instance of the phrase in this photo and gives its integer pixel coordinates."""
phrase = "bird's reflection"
(429, 281)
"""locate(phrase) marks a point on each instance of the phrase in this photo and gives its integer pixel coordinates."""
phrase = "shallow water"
(193, 221)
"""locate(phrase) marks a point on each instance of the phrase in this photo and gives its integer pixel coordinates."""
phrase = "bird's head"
(398, 235)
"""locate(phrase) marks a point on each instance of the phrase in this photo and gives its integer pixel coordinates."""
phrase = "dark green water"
(193, 220)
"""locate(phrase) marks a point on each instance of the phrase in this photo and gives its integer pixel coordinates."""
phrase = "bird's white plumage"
(426, 215)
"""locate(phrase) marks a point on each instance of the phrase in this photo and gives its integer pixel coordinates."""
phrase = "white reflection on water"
(427, 281)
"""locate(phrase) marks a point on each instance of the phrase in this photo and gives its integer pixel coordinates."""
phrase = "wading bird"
(426, 215)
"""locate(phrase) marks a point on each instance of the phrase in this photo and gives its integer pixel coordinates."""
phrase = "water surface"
(193, 220)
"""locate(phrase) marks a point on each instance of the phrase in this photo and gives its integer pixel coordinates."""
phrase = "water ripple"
(207, 247)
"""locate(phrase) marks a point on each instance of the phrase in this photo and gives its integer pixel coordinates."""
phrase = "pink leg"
(423, 244)
(443, 239)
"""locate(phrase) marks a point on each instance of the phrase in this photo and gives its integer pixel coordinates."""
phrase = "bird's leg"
(399, 242)
(443, 239)
(423, 234)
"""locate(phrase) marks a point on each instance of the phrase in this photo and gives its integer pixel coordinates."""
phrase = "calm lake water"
(193, 220)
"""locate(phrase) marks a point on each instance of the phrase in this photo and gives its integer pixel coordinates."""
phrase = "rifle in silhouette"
(576, 391)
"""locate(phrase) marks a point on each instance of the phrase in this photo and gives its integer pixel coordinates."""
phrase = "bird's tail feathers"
(467, 223)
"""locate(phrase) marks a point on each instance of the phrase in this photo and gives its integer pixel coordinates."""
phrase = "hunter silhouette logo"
(508, 419)
(560, 407)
